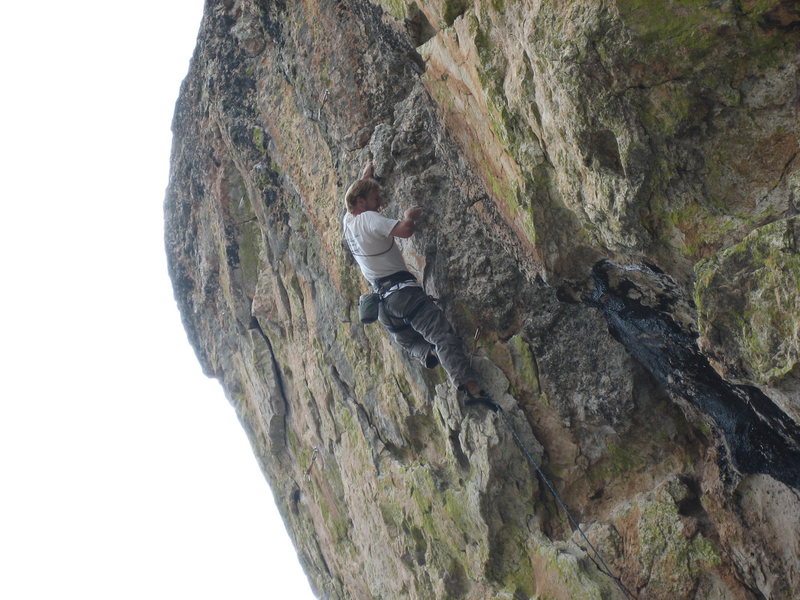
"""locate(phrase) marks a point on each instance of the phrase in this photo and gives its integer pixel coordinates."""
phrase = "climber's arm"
(368, 172)
(406, 227)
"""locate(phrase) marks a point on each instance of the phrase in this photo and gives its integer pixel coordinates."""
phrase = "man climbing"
(413, 319)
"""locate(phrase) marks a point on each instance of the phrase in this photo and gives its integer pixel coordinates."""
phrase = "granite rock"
(610, 191)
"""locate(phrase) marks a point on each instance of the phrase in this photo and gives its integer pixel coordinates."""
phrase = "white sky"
(123, 470)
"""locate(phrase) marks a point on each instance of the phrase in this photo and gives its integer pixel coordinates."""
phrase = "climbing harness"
(369, 304)
(406, 319)
(597, 559)
(369, 307)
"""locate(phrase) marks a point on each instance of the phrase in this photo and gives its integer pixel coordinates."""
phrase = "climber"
(411, 317)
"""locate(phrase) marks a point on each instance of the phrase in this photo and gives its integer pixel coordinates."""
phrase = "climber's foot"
(476, 395)
(431, 360)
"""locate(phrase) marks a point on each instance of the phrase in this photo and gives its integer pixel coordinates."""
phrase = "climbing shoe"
(482, 400)
(479, 398)
(431, 360)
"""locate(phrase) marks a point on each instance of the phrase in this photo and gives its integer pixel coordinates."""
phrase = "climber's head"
(364, 194)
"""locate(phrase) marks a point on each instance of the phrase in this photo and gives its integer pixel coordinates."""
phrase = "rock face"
(611, 191)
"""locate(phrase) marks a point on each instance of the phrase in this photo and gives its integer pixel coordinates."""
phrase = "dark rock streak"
(759, 437)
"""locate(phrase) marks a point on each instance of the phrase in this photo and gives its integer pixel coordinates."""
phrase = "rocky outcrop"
(748, 299)
(610, 193)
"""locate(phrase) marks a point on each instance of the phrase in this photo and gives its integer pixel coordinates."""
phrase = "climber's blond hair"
(360, 189)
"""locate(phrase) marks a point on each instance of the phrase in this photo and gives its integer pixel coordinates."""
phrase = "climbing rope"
(597, 559)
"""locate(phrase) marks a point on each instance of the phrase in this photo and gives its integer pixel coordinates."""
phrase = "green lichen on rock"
(687, 35)
(509, 561)
(440, 516)
(249, 240)
(686, 57)
(669, 106)
(620, 462)
(671, 560)
(683, 28)
(397, 8)
(748, 301)
(524, 362)
(510, 128)
(259, 140)
(491, 69)
(453, 9)
(575, 578)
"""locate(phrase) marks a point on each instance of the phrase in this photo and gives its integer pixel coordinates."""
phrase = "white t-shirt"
(376, 252)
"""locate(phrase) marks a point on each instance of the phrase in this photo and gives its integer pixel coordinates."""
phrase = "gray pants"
(427, 329)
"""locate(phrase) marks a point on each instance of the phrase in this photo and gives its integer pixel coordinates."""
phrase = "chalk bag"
(368, 307)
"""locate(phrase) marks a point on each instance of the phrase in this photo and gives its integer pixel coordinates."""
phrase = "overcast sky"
(124, 471)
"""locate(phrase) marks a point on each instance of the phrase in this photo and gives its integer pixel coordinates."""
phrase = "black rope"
(601, 565)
